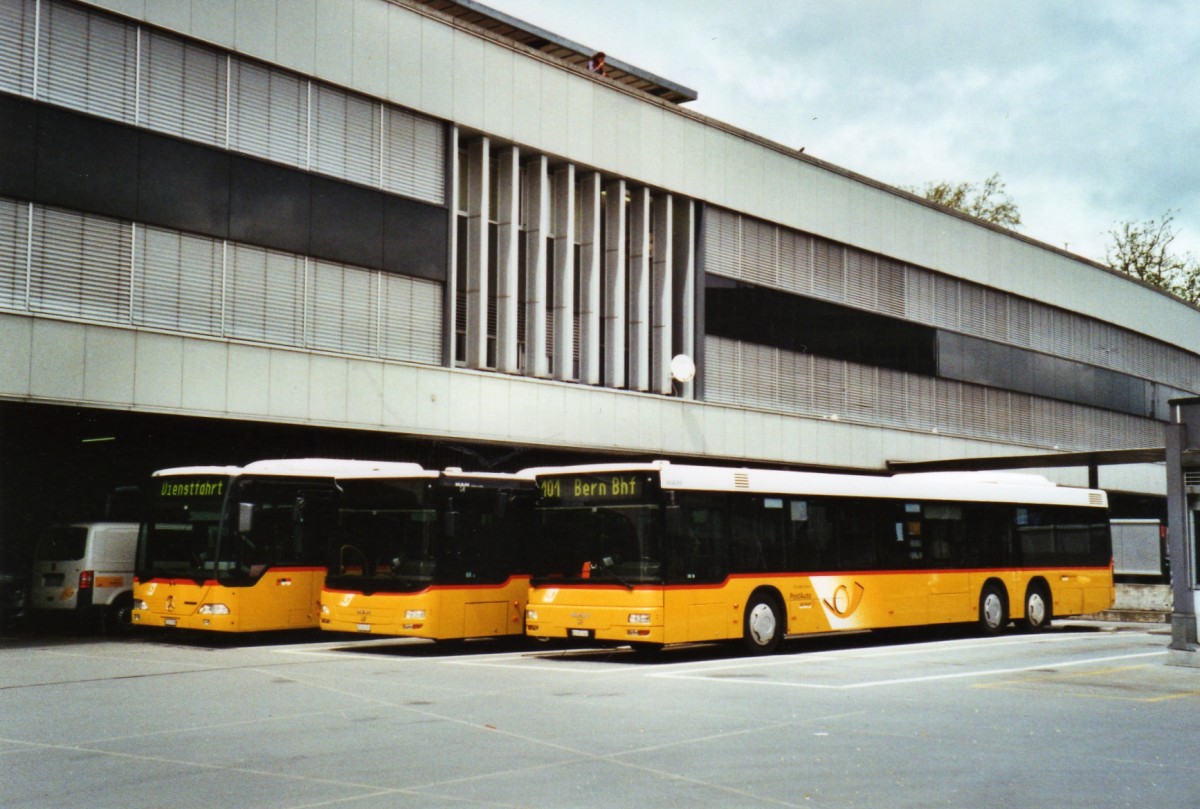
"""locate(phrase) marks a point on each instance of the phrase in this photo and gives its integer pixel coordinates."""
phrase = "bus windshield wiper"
(606, 564)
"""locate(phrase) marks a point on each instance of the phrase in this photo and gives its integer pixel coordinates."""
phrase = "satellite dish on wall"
(682, 368)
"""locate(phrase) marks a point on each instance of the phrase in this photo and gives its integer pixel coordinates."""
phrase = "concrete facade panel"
(334, 41)
(437, 69)
(581, 121)
(527, 101)
(296, 35)
(464, 406)
(400, 395)
(498, 90)
(364, 393)
(404, 56)
(290, 384)
(255, 28)
(16, 335)
(159, 382)
(214, 22)
(204, 376)
(248, 381)
(553, 133)
(328, 389)
(176, 16)
(58, 360)
(370, 47)
(434, 405)
(468, 74)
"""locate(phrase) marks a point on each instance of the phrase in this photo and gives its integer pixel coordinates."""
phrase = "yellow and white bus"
(659, 553)
(241, 549)
(436, 555)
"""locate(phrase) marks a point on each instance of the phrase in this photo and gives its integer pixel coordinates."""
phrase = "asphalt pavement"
(1084, 715)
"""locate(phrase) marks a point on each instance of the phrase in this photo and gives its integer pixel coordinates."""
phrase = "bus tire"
(1038, 607)
(993, 609)
(762, 626)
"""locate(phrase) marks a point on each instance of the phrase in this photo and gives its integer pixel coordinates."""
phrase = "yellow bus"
(437, 555)
(659, 553)
(241, 549)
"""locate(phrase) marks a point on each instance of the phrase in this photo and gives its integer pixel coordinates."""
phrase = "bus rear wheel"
(993, 609)
(762, 628)
(1038, 608)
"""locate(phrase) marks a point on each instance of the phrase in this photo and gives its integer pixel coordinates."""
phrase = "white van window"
(62, 543)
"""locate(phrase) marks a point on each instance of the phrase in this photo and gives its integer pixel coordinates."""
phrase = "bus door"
(279, 545)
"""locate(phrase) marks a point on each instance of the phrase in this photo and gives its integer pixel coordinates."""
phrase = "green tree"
(1143, 251)
(988, 201)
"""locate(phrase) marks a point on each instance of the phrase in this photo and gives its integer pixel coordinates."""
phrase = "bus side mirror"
(245, 517)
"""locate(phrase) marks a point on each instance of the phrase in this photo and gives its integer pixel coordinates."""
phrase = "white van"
(85, 570)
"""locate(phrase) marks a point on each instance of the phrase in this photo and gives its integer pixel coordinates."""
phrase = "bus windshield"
(387, 537)
(602, 544)
(178, 538)
(233, 530)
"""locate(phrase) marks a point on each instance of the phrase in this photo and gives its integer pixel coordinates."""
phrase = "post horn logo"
(845, 601)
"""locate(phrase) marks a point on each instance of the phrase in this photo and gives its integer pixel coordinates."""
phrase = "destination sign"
(191, 487)
(593, 488)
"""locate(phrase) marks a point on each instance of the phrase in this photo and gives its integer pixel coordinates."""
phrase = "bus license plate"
(364, 627)
(582, 633)
(170, 621)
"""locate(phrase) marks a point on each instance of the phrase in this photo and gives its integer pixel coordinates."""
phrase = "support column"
(589, 279)
(450, 296)
(564, 272)
(537, 230)
(683, 329)
(507, 234)
(639, 289)
(661, 296)
(614, 284)
(478, 202)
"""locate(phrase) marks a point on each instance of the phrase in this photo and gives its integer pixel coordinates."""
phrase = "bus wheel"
(993, 611)
(762, 627)
(1038, 610)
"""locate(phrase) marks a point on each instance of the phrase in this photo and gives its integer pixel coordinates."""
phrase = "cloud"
(1086, 110)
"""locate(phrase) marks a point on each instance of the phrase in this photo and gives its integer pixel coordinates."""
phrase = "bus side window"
(698, 553)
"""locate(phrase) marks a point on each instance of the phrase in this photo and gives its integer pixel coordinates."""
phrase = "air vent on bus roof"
(741, 480)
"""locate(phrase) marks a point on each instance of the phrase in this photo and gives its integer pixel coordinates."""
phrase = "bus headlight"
(213, 609)
(531, 615)
(141, 605)
(325, 609)
(639, 617)
(418, 615)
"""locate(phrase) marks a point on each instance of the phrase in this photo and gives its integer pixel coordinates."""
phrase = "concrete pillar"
(661, 294)
(564, 273)
(614, 284)
(684, 286)
(507, 233)
(537, 230)
(639, 289)
(589, 279)
(478, 203)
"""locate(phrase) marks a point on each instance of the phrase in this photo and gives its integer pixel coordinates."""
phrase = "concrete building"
(426, 231)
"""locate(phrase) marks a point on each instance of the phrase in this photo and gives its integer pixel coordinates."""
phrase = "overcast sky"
(1089, 111)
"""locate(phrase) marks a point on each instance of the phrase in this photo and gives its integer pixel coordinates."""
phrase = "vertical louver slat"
(177, 282)
(81, 266)
(14, 270)
(183, 89)
(17, 19)
(829, 270)
(87, 62)
(269, 114)
(862, 280)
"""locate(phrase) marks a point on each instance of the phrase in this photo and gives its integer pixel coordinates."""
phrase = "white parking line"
(906, 680)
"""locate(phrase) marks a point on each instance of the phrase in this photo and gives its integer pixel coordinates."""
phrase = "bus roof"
(339, 468)
(989, 487)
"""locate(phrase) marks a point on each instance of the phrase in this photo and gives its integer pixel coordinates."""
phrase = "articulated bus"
(436, 555)
(241, 549)
(658, 553)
